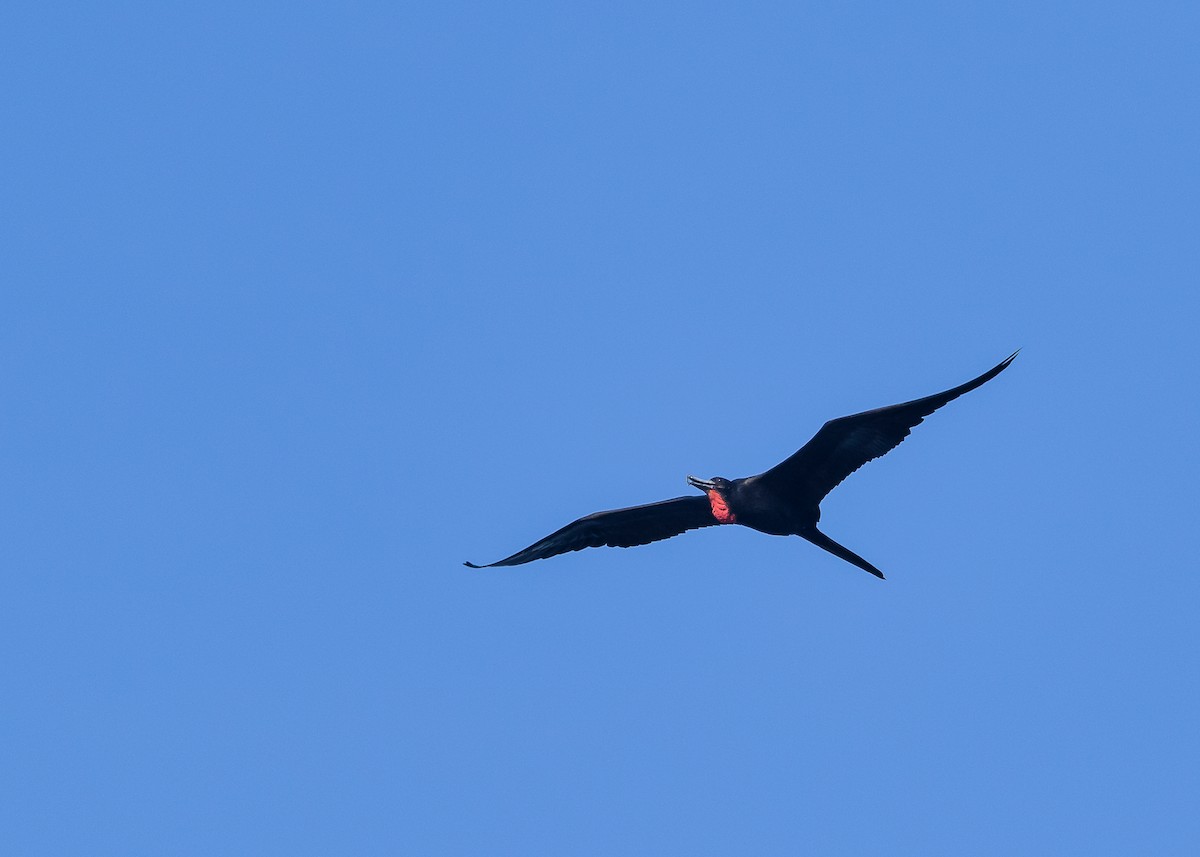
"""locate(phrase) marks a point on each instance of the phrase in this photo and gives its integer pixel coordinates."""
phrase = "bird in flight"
(783, 501)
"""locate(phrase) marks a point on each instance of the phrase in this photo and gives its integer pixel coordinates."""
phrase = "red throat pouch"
(720, 509)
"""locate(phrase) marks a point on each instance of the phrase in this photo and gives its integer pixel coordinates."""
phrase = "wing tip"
(473, 565)
(1000, 367)
(985, 377)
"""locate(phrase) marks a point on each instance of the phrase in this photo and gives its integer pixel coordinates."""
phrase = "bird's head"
(718, 490)
(718, 483)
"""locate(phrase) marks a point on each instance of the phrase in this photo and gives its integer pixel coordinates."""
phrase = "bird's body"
(782, 501)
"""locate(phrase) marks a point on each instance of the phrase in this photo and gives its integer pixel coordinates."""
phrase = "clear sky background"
(303, 305)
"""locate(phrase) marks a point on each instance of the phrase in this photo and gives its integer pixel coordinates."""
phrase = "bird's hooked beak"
(703, 484)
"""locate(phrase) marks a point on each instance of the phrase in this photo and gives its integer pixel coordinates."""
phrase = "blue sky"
(305, 304)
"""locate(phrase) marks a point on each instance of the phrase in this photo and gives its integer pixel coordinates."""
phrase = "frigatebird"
(783, 501)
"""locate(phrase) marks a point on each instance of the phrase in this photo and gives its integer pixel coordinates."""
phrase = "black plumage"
(784, 500)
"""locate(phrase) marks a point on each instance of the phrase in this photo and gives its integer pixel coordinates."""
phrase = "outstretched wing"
(619, 528)
(846, 444)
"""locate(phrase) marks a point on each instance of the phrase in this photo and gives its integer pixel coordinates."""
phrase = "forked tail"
(821, 540)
